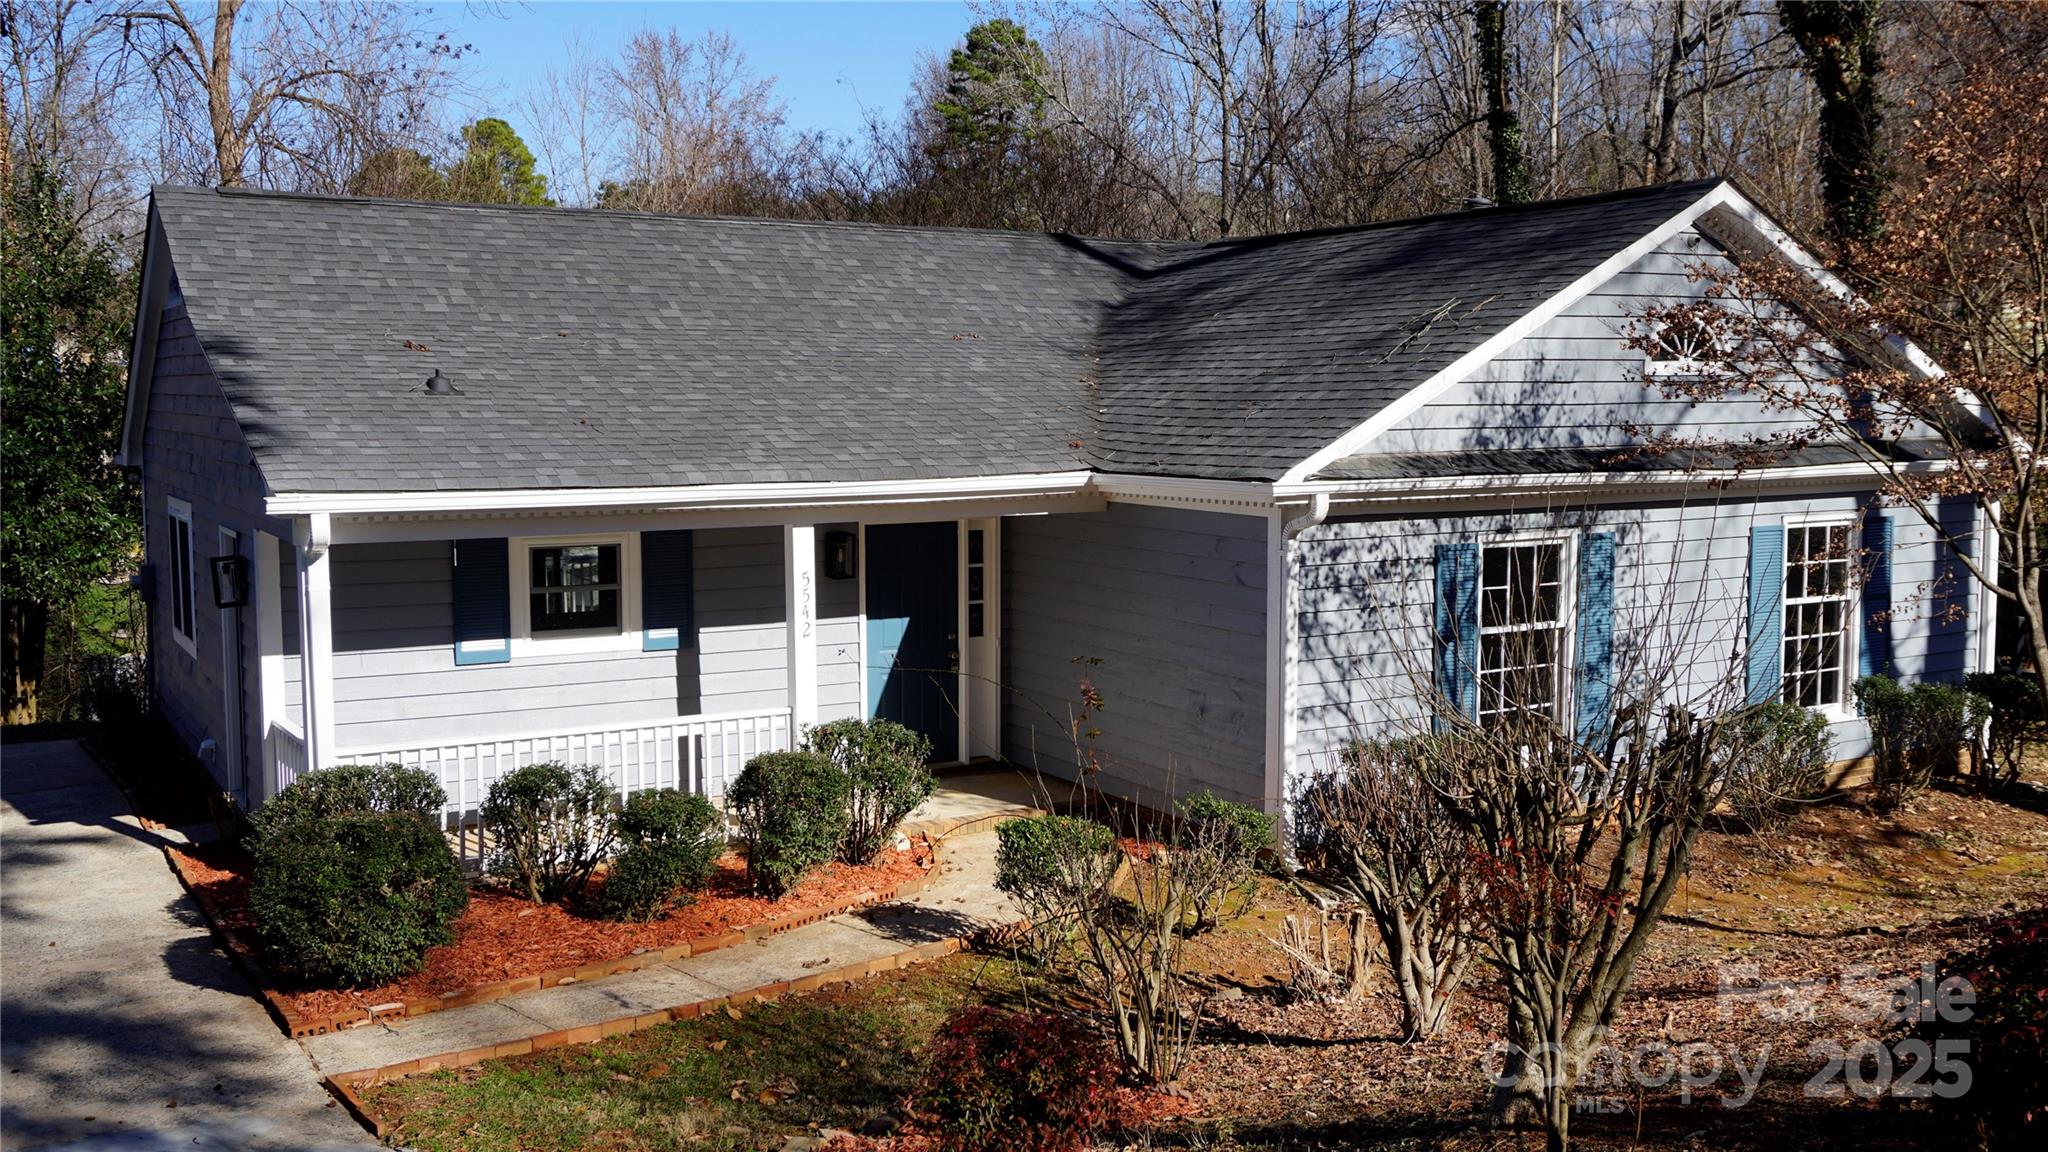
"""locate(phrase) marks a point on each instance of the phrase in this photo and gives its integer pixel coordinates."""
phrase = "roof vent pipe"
(1472, 202)
(439, 385)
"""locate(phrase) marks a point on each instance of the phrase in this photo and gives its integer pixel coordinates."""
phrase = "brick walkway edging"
(297, 1024)
(344, 1084)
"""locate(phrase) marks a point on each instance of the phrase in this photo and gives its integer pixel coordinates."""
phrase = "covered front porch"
(666, 646)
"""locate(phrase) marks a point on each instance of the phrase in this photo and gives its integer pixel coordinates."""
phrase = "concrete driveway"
(121, 1024)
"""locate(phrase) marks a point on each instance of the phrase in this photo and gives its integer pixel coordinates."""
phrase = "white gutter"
(700, 496)
(1414, 489)
(741, 497)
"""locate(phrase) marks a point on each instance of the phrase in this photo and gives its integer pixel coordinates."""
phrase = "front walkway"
(958, 901)
(121, 1024)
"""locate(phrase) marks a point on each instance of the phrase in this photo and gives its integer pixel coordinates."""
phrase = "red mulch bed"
(505, 937)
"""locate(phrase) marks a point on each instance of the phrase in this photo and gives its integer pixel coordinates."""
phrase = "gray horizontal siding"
(1367, 592)
(1572, 383)
(1171, 602)
(193, 450)
(397, 685)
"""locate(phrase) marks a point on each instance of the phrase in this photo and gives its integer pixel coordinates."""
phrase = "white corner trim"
(682, 497)
(1458, 370)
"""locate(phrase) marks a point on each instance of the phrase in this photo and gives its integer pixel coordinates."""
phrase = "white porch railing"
(285, 751)
(696, 753)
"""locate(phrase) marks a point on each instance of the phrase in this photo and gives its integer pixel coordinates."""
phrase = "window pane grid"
(574, 587)
(1521, 594)
(1818, 584)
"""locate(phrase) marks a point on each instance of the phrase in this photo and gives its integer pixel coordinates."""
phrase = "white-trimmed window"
(1522, 627)
(575, 593)
(178, 573)
(1819, 606)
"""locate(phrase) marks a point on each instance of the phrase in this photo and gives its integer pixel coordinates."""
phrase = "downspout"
(1318, 511)
(1285, 639)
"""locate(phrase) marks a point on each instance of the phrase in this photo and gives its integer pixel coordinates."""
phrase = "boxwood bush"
(1916, 733)
(354, 898)
(672, 842)
(1778, 761)
(353, 879)
(1229, 837)
(351, 788)
(886, 778)
(550, 827)
(1053, 865)
(791, 809)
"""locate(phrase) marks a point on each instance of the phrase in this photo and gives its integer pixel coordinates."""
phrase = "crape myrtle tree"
(1960, 269)
(1582, 808)
(1547, 802)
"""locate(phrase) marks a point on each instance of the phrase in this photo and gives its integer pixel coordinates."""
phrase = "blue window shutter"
(1457, 627)
(1766, 653)
(1595, 636)
(1875, 659)
(483, 602)
(667, 591)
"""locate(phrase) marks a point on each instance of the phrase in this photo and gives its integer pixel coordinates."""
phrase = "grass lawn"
(833, 1058)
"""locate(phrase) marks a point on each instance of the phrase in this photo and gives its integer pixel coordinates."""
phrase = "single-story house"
(471, 487)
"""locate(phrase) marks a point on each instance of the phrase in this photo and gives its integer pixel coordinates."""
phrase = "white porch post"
(800, 586)
(316, 637)
(270, 705)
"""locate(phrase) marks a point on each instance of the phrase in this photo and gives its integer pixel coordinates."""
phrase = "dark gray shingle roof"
(1246, 360)
(602, 349)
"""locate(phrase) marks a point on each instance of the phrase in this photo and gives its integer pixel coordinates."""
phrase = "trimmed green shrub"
(673, 841)
(354, 898)
(2011, 701)
(1229, 838)
(791, 811)
(352, 788)
(886, 776)
(1778, 760)
(1053, 866)
(999, 1081)
(550, 827)
(1916, 734)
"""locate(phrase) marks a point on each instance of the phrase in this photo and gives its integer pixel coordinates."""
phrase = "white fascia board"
(1458, 370)
(1741, 209)
(679, 498)
(1437, 488)
(149, 311)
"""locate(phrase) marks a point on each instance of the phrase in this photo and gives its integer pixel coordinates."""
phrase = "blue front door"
(913, 604)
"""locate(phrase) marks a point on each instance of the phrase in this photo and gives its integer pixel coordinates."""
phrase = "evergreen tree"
(68, 517)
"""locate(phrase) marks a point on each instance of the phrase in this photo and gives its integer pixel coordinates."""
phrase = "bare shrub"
(1376, 833)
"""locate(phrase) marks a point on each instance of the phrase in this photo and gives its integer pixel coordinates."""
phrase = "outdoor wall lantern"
(840, 560)
(230, 581)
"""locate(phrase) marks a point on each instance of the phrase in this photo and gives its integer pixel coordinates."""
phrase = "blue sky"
(828, 59)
